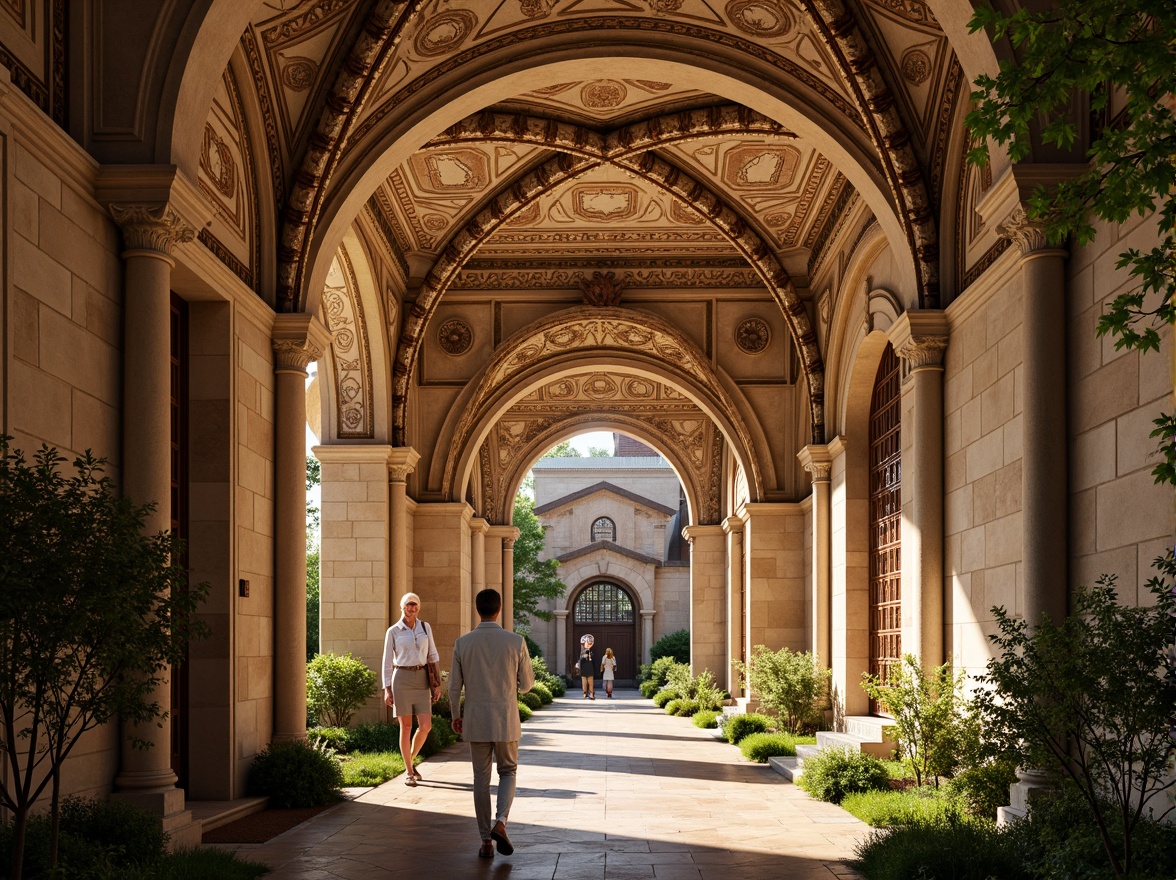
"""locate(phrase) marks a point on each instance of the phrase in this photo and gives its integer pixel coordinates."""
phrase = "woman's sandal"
(417, 773)
(409, 779)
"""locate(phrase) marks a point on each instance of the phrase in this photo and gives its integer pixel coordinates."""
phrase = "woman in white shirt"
(408, 650)
(608, 669)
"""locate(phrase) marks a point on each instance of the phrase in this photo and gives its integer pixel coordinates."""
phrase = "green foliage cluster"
(92, 614)
(544, 676)
(534, 579)
(543, 693)
(383, 736)
(682, 707)
(700, 689)
(648, 689)
(759, 747)
(791, 685)
(707, 719)
(739, 726)
(533, 649)
(833, 773)
(675, 645)
(1089, 701)
(940, 850)
(313, 561)
(930, 721)
(371, 768)
(664, 697)
(337, 686)
(525, 712)
(885, 808)
(984, 786)
(295, 774)
(531, 700)
(658, 672)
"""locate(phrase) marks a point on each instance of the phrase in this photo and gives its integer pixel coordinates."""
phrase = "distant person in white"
(408, 650)
(494, 667)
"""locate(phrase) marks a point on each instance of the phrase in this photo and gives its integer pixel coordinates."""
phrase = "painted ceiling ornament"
(455, 337)
(536, 8)
(662, 7)
(444, 32)
(216, 160)
(603, 94)
(753, 335)
(603, 291)
(916, 66)
(760, 18)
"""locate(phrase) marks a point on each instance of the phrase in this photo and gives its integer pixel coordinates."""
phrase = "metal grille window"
(604, 529)
(603, 603)
(885, 520)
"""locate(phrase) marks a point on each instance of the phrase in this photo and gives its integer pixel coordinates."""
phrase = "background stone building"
(615, 525)
(744, 233)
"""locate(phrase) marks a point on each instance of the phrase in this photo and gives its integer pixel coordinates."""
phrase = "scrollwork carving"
(151, 227)
(925, 351)
(1027, 234)
(602, 291)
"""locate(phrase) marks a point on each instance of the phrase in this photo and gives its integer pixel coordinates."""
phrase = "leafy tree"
(313, 560)
(1119, 53)
(1085, 700)
(534, 580)
(929, 715)
(337, 687)
(94, 613)
(790, 685)
(564, 449)
(597, 452)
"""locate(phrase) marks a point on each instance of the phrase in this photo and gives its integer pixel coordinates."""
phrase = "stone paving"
(607, 790)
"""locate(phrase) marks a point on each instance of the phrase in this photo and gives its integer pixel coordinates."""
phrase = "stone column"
(298, 339)
(561, 643)
(646, 634)
(149, 232)
(818, 461)
(401, 463)
(478, 530)
(708, 599)
(1044, 485)
(733, 529)
(920, 339)
(508, 543)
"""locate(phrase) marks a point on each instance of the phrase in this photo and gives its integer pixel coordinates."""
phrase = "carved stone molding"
(151, 227)
(1027, 234)
(298, 339)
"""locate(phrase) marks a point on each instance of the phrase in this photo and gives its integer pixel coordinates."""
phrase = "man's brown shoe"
(487, 850)
(505, 847)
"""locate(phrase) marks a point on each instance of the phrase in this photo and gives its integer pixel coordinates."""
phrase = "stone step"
(789, 768)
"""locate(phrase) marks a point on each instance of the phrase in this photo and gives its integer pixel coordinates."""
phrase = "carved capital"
(920, 337)
(817, 460)
(508, 543)
(1027, 234)
(298, 339)
(401, 463)
(926, 351)
(151, 227)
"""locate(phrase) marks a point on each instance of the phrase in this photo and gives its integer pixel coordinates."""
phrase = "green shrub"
(533, 647)
(664, 696)
(372, 768)
(132, 834)
(791, 685)
(675, 645)
(707, 693)
(684, 708)
(440, 736)
(441, 706)
(200, 864)
(915, 805)
(985, 787)
(547, 678)
(834, 773)
(524, 712)
(531, 700)
(294, 774)
(759, 747)
(707, 719)
(336, 738)
(648, 689)
(383, 736)
(944, 850)
(739, 726)
(543, 693)
(659, 670)
(337, 687)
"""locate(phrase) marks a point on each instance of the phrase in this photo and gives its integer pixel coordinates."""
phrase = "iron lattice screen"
(603, 603)
(886, 520)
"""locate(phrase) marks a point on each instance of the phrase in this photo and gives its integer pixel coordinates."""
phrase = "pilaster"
(708, 599)
(817, 460)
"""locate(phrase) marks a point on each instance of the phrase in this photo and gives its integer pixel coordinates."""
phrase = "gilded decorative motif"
(344, 316)
(602, 291)
(916, 66)
(536, 8)
(216, 160)
(455, 337)
(298, 73)
(753, 335)
(605, 203)
(758, 167)
(603, 94)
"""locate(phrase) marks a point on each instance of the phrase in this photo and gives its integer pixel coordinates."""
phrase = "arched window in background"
(604, 529)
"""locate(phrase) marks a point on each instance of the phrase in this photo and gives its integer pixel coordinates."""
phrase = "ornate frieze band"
(151, 227)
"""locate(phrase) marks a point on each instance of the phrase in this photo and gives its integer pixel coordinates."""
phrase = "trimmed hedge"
(543, 693)
(649, 688)
(707, 719)
(525, 712)
(664, 696)
(834, 773)
(295, 774)
(739, 726)
(531, 700)
(759, 747)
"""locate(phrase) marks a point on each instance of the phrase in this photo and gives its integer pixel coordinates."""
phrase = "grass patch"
(958, 850)
(200, 864)
(759, 747)
(371, 768)
(884, 809)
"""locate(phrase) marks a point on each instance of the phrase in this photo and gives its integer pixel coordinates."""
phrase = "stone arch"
(587, 569)
(628, 148)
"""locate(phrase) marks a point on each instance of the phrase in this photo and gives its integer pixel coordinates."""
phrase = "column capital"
(402, 462)
(817, 460)
(644, 613)
(479, 526)
(691, 532)
(562, 614)
(920, 337)
(506, 533)
(150, 227)
(338, 453)
(732, 525)
(298, 339)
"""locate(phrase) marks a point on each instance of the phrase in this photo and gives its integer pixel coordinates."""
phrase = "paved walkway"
(607, 790)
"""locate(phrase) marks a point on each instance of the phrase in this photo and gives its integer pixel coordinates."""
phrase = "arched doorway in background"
(607, 611)
(885, 521)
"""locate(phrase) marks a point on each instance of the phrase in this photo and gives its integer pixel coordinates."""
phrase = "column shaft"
(508, 582)
(561, 643)
(733, 526)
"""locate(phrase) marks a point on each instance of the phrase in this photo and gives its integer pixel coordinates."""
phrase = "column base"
(1031, 785)
(183, 831)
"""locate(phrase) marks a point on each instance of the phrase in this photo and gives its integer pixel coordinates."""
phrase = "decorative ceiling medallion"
(451, 171)
(639, 389)
(760, 18)
(434, 222)
(605, 202)
(753, 335)
(298, 73)
(603, 94)
(443, 33)
(600, 387)
(602, 291)
(916, 66)
(757, 167)
(217, 161)
(536, 8)
(680, 212)
(778, 219)
(455, 337)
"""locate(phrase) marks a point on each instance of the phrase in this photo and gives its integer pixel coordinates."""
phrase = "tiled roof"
(603, 486)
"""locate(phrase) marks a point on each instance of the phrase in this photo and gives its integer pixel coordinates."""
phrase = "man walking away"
(494, 667)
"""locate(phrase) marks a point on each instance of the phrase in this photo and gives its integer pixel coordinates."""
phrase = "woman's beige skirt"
(410, 692)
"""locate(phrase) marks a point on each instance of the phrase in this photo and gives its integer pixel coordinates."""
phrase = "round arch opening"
(609, 611)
